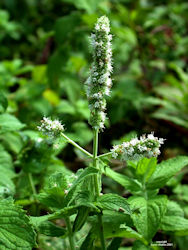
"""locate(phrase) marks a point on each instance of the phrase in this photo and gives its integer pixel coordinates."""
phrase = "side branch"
(77, 146)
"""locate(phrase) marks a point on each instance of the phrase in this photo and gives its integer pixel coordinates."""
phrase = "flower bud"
(99, 82)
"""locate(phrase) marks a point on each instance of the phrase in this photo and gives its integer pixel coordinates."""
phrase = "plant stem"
(77, 146)
(97, 188)
(32, 184)
(95, 152)
(101, 232)
(71, 237)
(103, 155)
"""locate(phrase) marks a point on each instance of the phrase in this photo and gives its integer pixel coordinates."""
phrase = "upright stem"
(71, 237)
(95, 152)
(101, 232)
(31, 183)
(97, 188)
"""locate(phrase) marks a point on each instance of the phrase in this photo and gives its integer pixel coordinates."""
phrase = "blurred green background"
(45, 60)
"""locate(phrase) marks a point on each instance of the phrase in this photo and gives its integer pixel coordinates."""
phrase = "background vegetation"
(44, 62)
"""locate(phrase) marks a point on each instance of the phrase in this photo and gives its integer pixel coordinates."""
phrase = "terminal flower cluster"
(147, 146)
(50, 128)
(99, 83)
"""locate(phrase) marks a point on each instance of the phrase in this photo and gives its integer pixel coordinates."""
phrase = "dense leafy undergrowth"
(59, 192)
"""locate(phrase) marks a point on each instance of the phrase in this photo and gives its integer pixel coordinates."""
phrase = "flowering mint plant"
(99, 221)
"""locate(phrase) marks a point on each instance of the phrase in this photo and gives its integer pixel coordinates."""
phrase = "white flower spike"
(99, 83)
(137, 148)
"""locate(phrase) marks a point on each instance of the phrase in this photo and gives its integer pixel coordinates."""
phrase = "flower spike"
(99, 82)
(147, 146)
(50, 128)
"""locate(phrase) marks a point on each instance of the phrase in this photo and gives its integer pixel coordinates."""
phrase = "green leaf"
(50, 229)
(114, 226)
(73, 190)
(3, 103)
(130, 184)
(88, 242)
(114, 202)
(176, 224)
(64, 27)
(89, 5)
(145, 168)
(115, 244)
(7, 173)
(174, 220)
(54, 193)
(13, 141)
(80, 218)
(65, 107)
(165, 170)
(148, 214)
(36, 221)
(15, 231)
(174, 209)
(9, 123)
(5, 159)
(139, 245)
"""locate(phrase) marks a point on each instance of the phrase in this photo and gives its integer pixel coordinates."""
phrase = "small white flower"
(151, 136)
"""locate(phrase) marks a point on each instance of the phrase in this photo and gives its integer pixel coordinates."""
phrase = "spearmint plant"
(89, 218)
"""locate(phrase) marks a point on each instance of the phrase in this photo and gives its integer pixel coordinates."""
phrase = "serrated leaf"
(149, 214)
(174, 209)
(176, 224)
(165, 170)
(145, 168)
(9, 123)
(73, 190)
(130, 184)
(15, 231)
(114, 202)
(174, 219)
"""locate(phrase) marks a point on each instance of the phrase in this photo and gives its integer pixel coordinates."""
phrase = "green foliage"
(129, 183)
(165, 170)
(148, 217)
(43, 66)
(16, 231)
(9, 123)
(113, 202)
